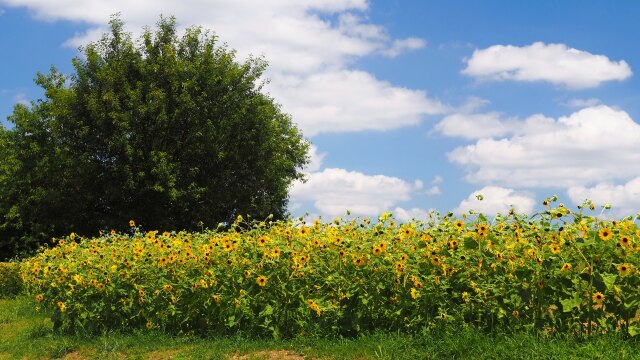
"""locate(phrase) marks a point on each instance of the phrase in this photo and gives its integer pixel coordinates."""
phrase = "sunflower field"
(555, 271)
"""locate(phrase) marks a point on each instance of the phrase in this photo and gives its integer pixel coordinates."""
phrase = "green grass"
(27, 334)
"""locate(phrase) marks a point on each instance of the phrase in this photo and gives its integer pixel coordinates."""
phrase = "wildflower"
(377, 250)
(515, 314)
(262, 240)
(358, 261)
(72, 236)
(132, 223)
(216, 298)
(247, 273)
(168, 287)
(459, 225)
(465, 296)
(605, 233)
(625, 241)
(261, 280)
(624, 269)
(276, 252)
(149, 325)
(566, 267)
(598, 297)
(555, 248)
(39, 298)
(113, 232)
(414, 294)
(62, 306)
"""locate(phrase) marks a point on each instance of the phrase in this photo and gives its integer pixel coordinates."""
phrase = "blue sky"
(410, 105)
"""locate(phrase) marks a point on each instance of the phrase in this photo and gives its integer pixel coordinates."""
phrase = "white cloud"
(592, 145)
(554, 63)
(346, 100)
(490, 125)
(497, 200)
(21, 98)
(333, 191)
(309, 54)
(434, 190)
(472, 126)
(582, 103)
(404, 215)
(437, 180)
(402, 45)
(625, 198)
(315, 161)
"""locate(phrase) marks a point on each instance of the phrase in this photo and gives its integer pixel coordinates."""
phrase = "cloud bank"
(554, 63)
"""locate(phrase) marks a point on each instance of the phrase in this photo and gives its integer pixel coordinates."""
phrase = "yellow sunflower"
(625, 241)
(624, 269)
(598, 297)
(261, 280)
(605, 233)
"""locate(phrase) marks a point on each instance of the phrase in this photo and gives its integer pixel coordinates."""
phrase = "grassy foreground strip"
(27, 334)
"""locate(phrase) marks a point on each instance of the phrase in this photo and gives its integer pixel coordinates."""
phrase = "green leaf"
(268, 310)
(634, 330)
(231, 321)
(569, 304)
(609, 280)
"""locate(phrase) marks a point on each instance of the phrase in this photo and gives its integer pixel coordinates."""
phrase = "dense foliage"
(10, 281)
(169, 130)
(557, 271)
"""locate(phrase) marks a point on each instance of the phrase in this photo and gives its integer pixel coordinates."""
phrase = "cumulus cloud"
(554, 63)
(402, 45)
(333, 191)
(490, 125)
(315, 161)
(434, 190)
(595, 144)
(624, 198)
(405, 215)
(309, 45)
(21, 98)
(582, 103)
(347, 100)
(495, 200)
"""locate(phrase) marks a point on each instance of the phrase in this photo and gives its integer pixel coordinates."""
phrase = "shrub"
(10, 282)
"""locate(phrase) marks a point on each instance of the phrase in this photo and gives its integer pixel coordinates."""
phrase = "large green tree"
(169, 130)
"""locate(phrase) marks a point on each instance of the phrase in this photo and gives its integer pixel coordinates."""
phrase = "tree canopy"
(171, 131)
